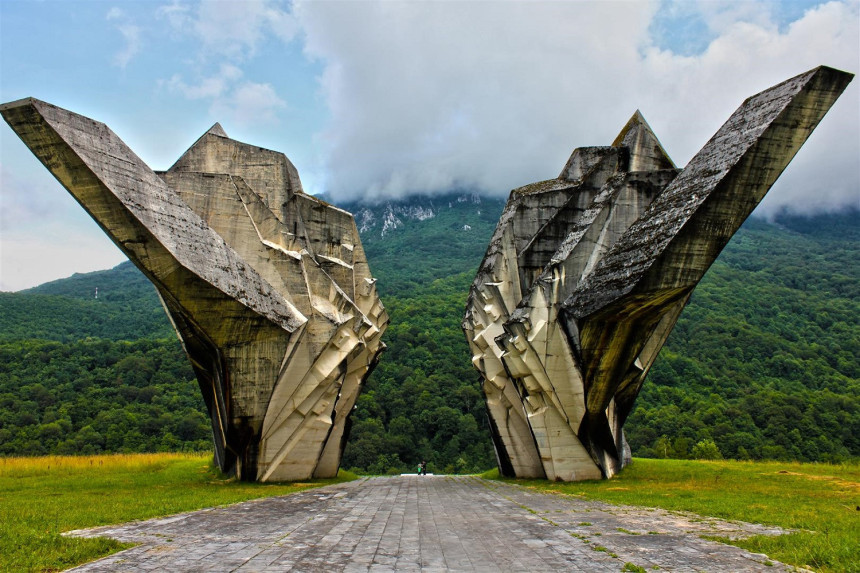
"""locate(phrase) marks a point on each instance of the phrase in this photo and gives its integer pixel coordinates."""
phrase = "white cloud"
(748, 57)
(249, 104)
(230, 32)
(281, 23)
(131, 35)
(176, 14)
(425, 96)
(244, 103)
(231, 29)
(209, 87)
(114, 13)
(721, 15)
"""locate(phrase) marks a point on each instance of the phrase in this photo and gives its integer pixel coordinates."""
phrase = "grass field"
(821, 500)
(42, 497)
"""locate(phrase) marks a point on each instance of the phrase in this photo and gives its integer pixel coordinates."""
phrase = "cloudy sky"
(380, 99)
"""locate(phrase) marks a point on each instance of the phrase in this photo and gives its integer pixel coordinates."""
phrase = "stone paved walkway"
(440, 523)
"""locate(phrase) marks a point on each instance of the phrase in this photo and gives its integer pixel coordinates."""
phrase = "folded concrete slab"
(268, 288)
(587, 274)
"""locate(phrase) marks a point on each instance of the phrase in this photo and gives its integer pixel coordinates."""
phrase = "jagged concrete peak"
(216, 152)
(646, 152)
(216, 129)
(204, 142)
(636, 120)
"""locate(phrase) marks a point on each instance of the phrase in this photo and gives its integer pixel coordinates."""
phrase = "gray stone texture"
(268, 288)
(587, 274)
(429, 523)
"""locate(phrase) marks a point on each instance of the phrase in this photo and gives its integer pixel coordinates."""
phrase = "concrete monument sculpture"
(586, 275)
(268, 288)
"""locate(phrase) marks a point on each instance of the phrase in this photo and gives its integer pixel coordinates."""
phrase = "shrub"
(706, 450)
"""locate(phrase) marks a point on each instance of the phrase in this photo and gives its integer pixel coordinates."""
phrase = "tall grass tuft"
(71, 465)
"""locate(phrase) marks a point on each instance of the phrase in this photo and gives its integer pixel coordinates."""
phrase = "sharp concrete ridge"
(587, 274)
(268, 288)
(431, 524)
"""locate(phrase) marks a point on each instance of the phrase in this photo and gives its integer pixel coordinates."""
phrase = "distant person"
(422, 469)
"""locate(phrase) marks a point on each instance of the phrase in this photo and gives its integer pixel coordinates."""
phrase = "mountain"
(764, 360)
(118, 304)
(411, 243)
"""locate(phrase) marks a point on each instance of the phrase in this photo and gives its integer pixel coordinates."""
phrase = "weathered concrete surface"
(423, 523)
(268, 288)
(587, 274)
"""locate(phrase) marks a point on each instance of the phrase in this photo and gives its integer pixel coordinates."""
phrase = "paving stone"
(428, 523)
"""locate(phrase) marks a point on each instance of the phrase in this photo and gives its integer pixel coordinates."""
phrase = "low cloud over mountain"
(426, 97)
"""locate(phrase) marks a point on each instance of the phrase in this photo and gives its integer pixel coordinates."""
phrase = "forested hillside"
(413, 243)
(125, 308)
(765, 359)
(763, 362)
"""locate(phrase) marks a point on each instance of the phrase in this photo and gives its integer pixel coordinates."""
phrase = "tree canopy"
(763, 363)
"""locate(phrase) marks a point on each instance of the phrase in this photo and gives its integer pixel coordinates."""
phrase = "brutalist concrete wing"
(587, 274)
(268, 288)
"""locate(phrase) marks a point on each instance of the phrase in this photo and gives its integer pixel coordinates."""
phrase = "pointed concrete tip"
(637, 119)
(646, 152)
(217, 130)
(17, 103)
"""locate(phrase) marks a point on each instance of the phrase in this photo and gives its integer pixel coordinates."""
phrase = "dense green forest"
(97, 395)
(127, 308)
(763, 362)
(80, 374)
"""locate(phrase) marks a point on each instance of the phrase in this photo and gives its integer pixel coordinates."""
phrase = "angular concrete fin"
(635, 120)
(665, 253)
(716, 191)
(627, 250)
(216, 130)
(138, 211)
(646, 153)
(215, 237)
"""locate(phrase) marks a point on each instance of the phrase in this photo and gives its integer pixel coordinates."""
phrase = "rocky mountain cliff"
(414, 241)
(381, 219)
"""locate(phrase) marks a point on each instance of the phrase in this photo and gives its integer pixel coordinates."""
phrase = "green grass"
(490, 474)
(822, 500)
(42, 497)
